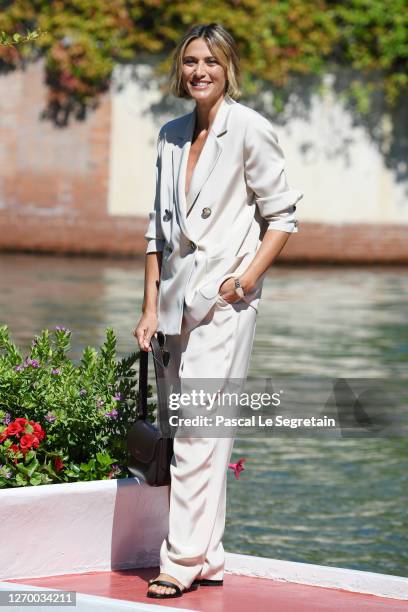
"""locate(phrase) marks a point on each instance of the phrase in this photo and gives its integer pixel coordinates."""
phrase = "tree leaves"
(82, 40)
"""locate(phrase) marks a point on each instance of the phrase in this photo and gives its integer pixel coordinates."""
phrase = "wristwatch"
(238, 289)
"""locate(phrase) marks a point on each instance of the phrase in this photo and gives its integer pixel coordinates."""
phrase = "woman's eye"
(190, 62)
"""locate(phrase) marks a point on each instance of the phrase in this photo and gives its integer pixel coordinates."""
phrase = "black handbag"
(151, 452)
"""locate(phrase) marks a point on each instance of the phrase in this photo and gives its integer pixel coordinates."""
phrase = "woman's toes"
(160, 589)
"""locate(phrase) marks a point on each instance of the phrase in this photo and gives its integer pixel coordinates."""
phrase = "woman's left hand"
(227, 289)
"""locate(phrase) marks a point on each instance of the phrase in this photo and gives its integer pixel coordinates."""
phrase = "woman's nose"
(200, 70)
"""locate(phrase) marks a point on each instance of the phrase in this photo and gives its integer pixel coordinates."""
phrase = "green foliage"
(18, 39)
(85, 409)
(374, 41)
(278, 40)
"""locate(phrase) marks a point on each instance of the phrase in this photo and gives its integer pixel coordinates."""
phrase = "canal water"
(338, 502)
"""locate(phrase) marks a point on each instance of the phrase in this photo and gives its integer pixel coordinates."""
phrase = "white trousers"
(220, 346)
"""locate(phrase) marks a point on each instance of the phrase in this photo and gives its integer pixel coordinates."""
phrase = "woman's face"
(202, 75)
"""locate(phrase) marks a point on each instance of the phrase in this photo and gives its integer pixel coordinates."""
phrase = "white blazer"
(238, 190)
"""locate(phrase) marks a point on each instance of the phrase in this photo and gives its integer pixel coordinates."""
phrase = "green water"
(339, 502)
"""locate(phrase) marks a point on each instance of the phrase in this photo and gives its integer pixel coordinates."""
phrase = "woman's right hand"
(145, 329)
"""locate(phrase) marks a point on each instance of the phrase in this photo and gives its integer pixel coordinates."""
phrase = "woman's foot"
(156, 588)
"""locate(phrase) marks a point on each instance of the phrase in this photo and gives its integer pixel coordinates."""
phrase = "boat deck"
(238, 593)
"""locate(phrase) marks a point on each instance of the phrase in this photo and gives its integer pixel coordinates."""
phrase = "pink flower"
(32, 362)
(237, 467)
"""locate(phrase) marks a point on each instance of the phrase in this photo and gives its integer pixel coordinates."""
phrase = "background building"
(88, 187)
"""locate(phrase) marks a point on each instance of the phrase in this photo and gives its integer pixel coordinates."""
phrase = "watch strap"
(238, 289)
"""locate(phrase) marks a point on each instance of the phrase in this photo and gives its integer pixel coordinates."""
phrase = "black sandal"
(172, 585)
(207, 582)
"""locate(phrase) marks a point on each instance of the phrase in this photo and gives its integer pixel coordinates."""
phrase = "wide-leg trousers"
(220, 346)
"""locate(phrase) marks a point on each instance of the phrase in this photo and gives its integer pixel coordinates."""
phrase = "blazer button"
(167, 215)
(193, 246)
(206, 212)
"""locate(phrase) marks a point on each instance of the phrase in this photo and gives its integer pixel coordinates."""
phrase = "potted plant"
(61, 421)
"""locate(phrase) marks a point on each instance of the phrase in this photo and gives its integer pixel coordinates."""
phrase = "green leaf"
(20, 481)
(36, 480)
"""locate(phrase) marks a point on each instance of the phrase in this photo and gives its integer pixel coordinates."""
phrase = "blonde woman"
(223, 212)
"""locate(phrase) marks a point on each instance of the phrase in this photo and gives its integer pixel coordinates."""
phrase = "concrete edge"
(91, 603)
(357, 581)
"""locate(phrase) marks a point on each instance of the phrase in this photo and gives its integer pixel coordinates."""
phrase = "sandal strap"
(166, 583)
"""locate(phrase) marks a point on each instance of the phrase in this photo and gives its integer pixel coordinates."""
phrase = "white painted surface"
(81, 527)
(339, 168)
(133, 143)
(86, 603)
(336, 165)
(71, 528)
(383, 585)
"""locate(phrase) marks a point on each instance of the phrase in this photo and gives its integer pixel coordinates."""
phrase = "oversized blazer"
(237, 192)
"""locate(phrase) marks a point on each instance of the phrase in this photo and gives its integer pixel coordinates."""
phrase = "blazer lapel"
(180, 156)
(205, 164)
(209, 155)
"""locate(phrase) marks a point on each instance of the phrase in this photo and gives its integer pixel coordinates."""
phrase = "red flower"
(237, 467)
(27, 441)
(38, 430)
(21, 421)
(19, 428)
(12, 451)
(15, 428)
(58, 464)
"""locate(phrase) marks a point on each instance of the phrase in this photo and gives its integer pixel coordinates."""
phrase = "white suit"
(238, 190)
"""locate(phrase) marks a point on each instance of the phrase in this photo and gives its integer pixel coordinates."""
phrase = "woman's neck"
(205, 114)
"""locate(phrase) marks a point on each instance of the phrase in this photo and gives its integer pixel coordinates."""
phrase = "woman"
(223, 212)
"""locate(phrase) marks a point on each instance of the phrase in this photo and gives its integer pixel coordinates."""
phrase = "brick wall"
(123, 236)
(54, 191)
(51, 178)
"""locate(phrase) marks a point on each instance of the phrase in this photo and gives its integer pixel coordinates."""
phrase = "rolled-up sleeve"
(154, 235)
(265, 175)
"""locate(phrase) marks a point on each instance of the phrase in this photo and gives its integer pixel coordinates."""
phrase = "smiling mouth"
(200, 84)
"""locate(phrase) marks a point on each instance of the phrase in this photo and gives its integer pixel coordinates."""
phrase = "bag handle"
(160, 360)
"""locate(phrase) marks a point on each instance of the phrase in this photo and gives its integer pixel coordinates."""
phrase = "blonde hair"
(221, 45)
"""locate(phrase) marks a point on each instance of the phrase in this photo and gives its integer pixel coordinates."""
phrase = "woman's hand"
(145, 329)
(227, 288)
